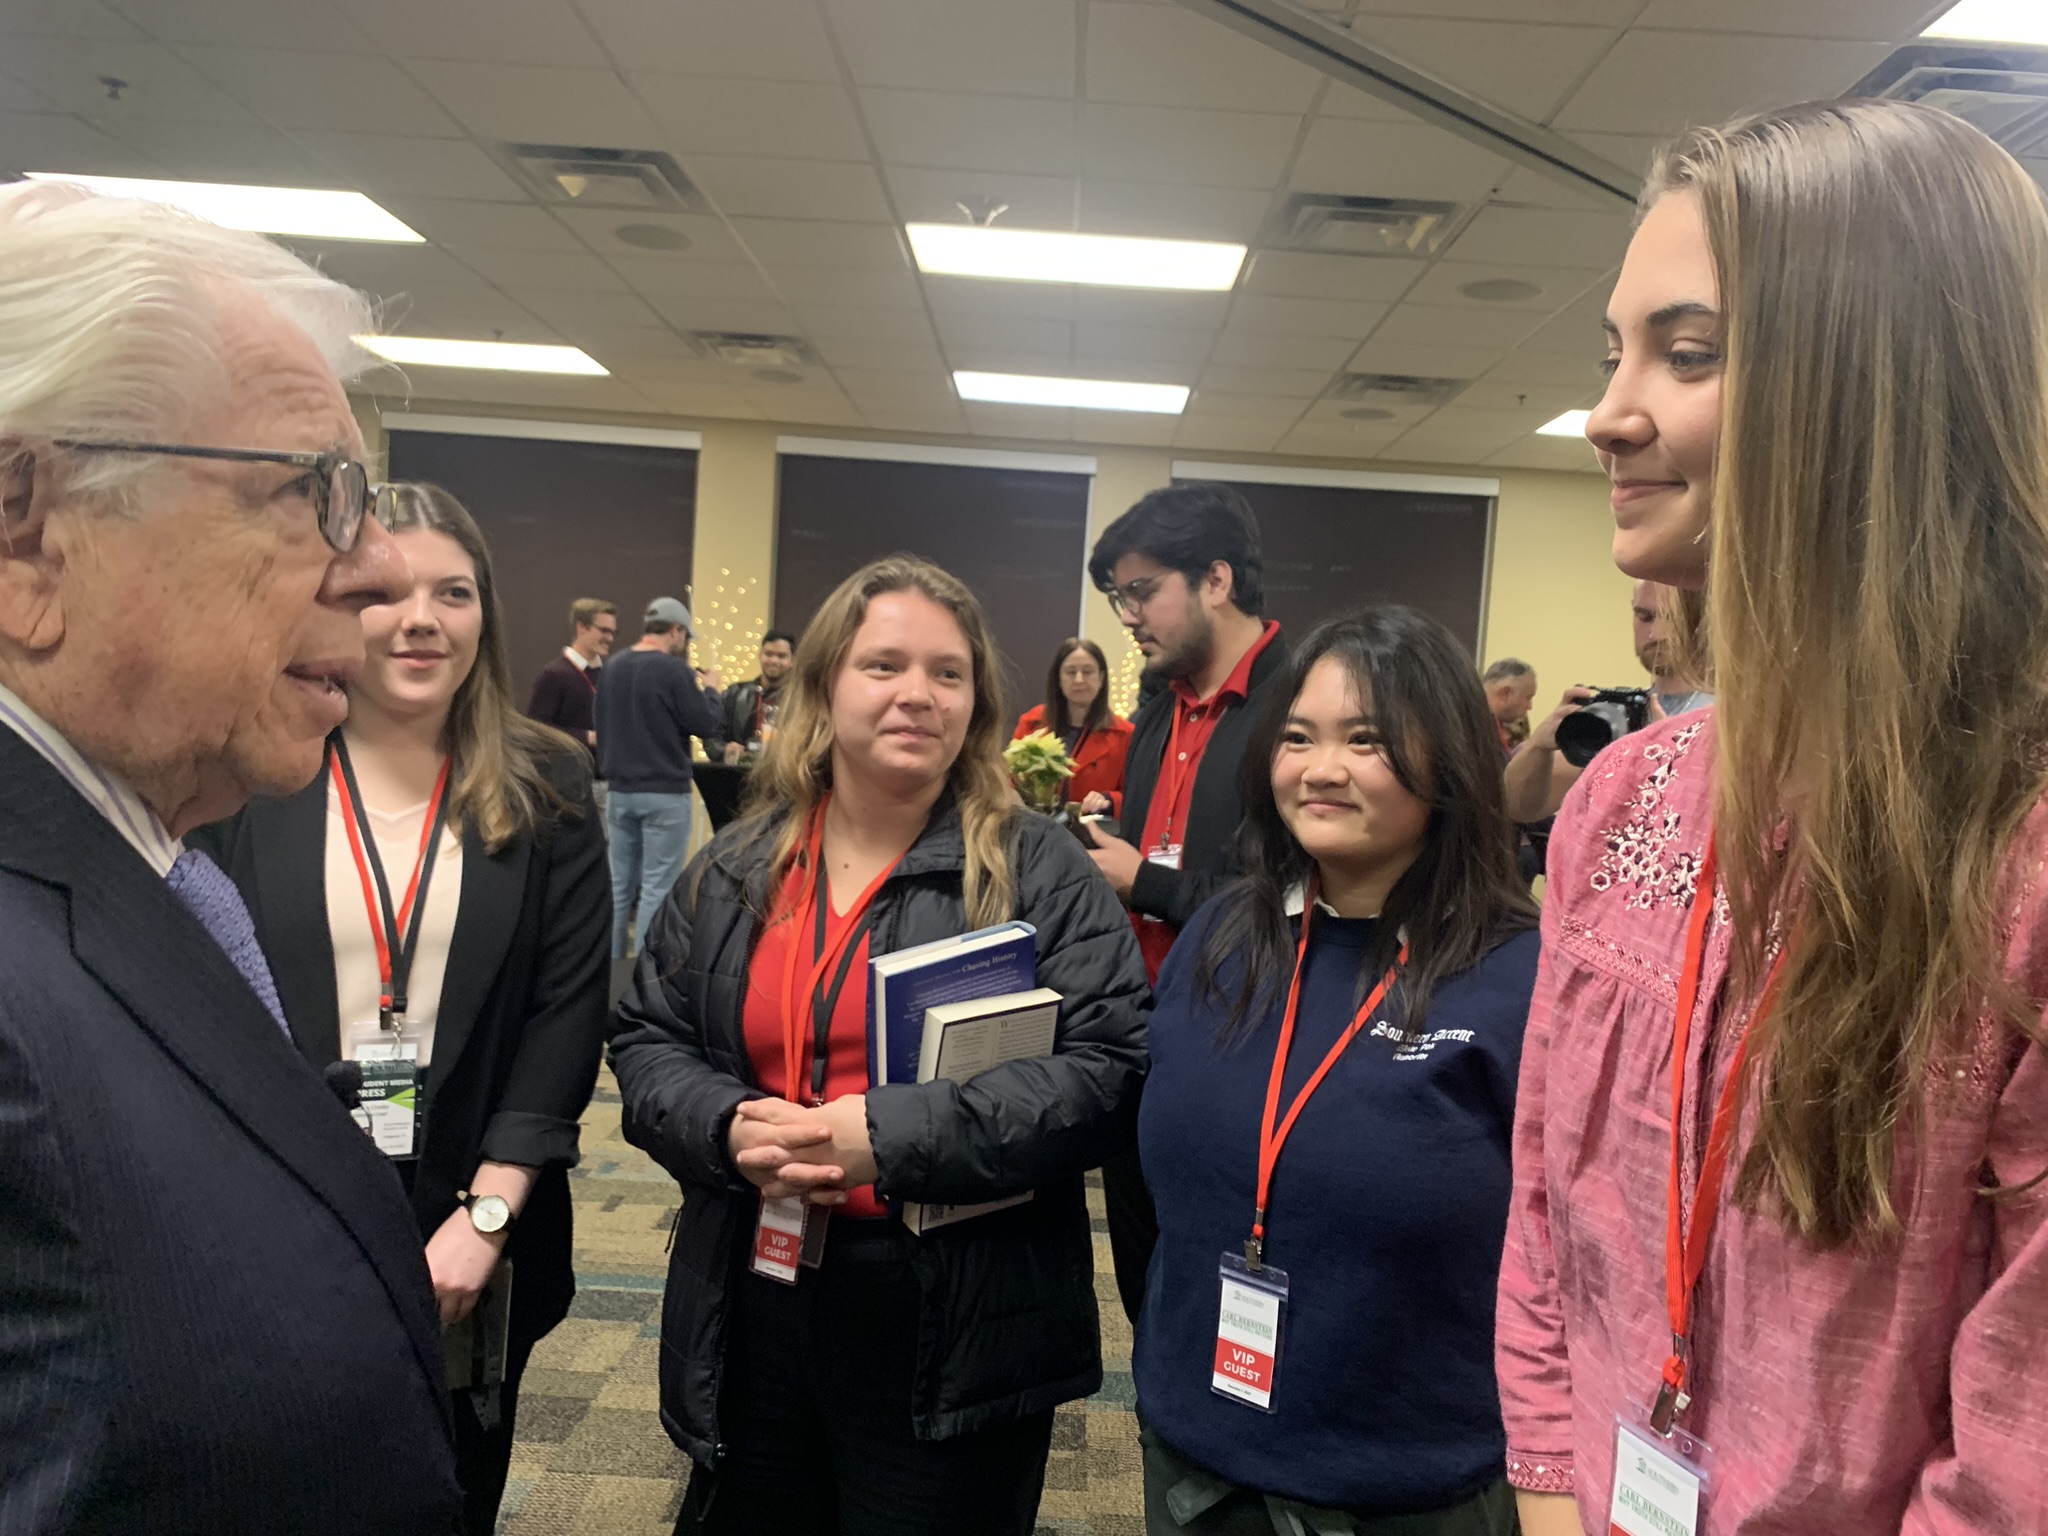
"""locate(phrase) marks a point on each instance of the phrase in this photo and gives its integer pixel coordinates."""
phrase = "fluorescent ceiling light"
(301, 211)
(1570, 424)
(1050, 256)
(1082, 394)
(506, 356)
(1997, 21)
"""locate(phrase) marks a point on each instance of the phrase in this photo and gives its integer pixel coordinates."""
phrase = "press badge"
(388, 1104)
(1658, 1479)
(1248, 1322)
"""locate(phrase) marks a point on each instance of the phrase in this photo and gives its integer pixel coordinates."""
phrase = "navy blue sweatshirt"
(1388, 1211)
(649, 705)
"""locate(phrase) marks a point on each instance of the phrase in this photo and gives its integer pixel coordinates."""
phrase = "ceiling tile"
(1539, 237)
(67, 18)
(1468, 326)
(1009, 47)
(1865, 20)
(478, 31)
(700, 402)
(1350, 415)
(671, 278)
(577, 313)
(1023, 301)
(1148, 343)
(354, 93)
(1546, 399)
(1599, 13)
(1657, 82)
(1445, 282)
(1348, 101)
(1521, 67)
(1132, 429)
(803, 407)
(1221, 403)
(159, 85)
(1422, 447)
(925, 386)
(544, 269)
(1145, 306)
(1525, 187)
(988, 333)
(1428, 361)
(1254, 350)
(980, 133)
(1029, 202)
(1025, 421)
(199, 151)
(312, 24)
(687, 314)
(1307, 275)
(474, 309)
(391, 165)
(1171, 211)
(52, 141)
(760, 40)
(791, 189)
(792, 118)
(907, 416)
(1164, 56)
(476, 386)
(1353, 442)
(1002, 360)
(1232, 149)
(812, 243)
(1526, 367)
(17, 97)
(839, 322)
(1575, 329)
(386, 271)
(1547, 453)
(1284, 383)
(1367, 159)
(531, 103)
(1330, 319)
(709, 240)
(1228, 434)
(833, 287)
(887, 356)
(1631, 151)
(466, 226)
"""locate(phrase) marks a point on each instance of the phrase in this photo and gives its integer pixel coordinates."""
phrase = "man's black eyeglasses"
(342, 494)
(1132, 596)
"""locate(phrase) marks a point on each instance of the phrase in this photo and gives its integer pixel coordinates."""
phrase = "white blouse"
(357, 987)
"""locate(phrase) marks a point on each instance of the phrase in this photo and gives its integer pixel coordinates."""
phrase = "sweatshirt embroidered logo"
(1417, 1046)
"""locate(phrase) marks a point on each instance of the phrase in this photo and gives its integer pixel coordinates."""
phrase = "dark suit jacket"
(522, 1015)
(214, 1313)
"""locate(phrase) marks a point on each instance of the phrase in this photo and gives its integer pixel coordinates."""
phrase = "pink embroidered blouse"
(1901, 1387)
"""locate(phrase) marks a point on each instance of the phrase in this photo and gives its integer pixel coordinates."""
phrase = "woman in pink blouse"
(1828, 413)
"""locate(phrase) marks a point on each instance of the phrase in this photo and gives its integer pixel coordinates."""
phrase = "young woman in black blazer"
(502, 1005)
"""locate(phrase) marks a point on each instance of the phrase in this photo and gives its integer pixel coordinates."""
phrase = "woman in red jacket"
(1076, 709)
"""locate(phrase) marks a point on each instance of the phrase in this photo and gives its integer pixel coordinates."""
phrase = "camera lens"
(1582, 734)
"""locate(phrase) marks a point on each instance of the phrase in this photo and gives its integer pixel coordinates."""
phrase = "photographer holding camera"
(1587, 719)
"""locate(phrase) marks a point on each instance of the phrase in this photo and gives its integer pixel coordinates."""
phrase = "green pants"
(1181, 1499)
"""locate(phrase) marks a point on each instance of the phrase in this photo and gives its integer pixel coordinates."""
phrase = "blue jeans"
(649, 834)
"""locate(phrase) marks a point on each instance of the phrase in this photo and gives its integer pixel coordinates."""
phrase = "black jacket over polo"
(1209, 841)
(214, 1308)
(522, 1015)
(1009, 1322)
(736, 708)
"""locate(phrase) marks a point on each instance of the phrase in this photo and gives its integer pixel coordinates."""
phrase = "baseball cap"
(666, 610)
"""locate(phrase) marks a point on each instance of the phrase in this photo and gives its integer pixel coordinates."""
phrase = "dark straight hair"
(1460, 898)
(1056, 701)
(1188, 527)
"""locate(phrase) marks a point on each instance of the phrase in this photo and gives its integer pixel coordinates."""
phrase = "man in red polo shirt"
(1183, 570)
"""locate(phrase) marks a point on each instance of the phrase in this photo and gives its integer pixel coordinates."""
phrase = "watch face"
(490, 1213)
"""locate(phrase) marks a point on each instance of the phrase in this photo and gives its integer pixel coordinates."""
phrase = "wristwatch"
(489, 1214)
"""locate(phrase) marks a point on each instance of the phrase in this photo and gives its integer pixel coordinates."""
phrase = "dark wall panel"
(1015, 536)
(565, 520)
(1334, 548)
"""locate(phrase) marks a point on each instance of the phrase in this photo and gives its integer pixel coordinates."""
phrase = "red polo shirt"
(1187, 740)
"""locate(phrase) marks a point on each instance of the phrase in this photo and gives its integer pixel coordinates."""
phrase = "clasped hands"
(789, 1151)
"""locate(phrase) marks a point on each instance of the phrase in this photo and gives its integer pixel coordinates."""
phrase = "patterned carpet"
(592, 1458)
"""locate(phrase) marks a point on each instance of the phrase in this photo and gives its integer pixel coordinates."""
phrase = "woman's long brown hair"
(796, 769)
(1877, 607)
(498, 787)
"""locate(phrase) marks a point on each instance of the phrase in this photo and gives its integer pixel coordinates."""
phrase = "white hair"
(110, 313)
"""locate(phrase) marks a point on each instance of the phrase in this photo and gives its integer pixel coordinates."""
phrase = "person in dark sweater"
(649, 705)
(565, 692)
(1378, 959)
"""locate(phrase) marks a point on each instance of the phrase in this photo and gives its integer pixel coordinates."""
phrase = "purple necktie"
(209, 895)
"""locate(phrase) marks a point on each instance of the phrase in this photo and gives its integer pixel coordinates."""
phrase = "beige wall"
(1554, 597)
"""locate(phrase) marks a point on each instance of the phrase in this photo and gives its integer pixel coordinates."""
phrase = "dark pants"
(815, 1415)
(1242, 1512)
(483, 1457)
(1133, 1228)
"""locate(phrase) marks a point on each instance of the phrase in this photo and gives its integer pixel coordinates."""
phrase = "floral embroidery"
(1641, 855)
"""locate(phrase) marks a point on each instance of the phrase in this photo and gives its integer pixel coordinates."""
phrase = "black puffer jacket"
(1009, 1321)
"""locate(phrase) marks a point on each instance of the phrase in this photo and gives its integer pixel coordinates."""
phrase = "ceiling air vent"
(1394, 389)
(2000, 87)
(582, 176)
(754, 351)
(1359, 226)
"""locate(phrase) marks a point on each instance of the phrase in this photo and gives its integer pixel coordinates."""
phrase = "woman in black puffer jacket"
(907, 1384)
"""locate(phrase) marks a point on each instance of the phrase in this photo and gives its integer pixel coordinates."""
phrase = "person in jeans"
(649, 705)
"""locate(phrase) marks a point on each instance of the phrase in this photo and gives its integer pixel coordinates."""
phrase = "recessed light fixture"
(1994, 21)
(303, 211)
(1054, 256)
(1081, 394)
(505, 356)
(1570, 424)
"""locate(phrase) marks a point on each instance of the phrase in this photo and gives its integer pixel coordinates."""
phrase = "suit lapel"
(493, 886)
(288, 846)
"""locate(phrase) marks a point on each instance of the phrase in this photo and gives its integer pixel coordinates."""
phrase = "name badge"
(779, 1236)
(1248, 1325)
(1166, 855)
(1658, 1480)
(387, 1108)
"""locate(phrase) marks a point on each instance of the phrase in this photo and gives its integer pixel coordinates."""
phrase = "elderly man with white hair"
(214, 1315)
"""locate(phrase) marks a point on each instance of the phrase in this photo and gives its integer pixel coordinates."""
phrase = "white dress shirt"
(113, 799)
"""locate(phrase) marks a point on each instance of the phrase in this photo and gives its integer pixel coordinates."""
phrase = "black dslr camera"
(1610, 713)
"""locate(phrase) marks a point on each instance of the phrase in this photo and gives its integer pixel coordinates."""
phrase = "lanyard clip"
(1255, 1245)
(386, 1018)
(1672, 1398)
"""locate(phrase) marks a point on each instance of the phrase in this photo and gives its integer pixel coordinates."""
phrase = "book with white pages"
(965, 1039)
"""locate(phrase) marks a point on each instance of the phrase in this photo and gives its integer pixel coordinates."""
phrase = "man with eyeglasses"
(214, 1311)
(1183, 571)
(565, 693)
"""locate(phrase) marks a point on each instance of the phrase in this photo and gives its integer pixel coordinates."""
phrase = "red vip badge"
(779, 1239)
(1248, 1332)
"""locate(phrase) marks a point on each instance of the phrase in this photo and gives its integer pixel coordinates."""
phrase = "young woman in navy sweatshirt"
(1326, 1126)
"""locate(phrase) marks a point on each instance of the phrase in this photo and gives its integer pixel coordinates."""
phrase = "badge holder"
(390, 1061)
(1248, 1327)
(1659, 1479)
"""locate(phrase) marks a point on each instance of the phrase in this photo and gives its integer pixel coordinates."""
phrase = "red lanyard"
(1685, 1245)
(394, 953)
(1272, 1136)
(805, 911)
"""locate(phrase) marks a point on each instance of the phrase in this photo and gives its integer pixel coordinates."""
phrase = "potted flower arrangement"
(1041, 767)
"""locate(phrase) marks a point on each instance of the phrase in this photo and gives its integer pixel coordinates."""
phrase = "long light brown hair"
(497, 786)
(796, 769)
(1877, 603)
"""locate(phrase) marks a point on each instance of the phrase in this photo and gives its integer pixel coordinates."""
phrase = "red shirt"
(1166, 818)
(846, 1047)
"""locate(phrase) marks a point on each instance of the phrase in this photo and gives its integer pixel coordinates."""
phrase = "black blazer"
(522, 1016)
(214, 1312)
